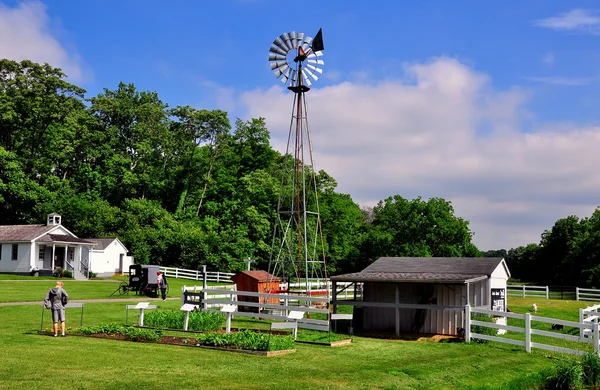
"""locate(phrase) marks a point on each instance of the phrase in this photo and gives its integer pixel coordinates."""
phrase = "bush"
(129, 332)
(61, 273)
(199, 320)
(92, 275)
(482, 329)
(566, 375)
(248, 340)
(591, 369)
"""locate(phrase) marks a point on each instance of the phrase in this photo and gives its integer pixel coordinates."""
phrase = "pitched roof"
(62, 238)
(425, 269)
(23, 232)
(261, 276)
(101, 243)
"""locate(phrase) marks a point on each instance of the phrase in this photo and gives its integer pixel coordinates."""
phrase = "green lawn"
(28, 288)
(29, 360)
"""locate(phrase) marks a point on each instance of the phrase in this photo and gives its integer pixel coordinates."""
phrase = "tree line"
(567, 255)
(181, 186)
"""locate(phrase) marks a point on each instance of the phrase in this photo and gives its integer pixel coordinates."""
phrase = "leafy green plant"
(247, 339)
(198, 320)
(591, 368)
(482, 329)
(567, 375)
(129, 332)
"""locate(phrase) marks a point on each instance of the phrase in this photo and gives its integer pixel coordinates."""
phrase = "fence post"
(203, 277)
(581, 322)
(467, 323)
(204, 296)
(523, 291)
(547, 293)
(576, 293)
(176, 272)
(183, 294)
(527, 332)
(596, 341)
(197, 273)
(218, 277)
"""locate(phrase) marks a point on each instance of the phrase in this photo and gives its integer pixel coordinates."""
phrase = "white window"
(15, 251)
(41, 253)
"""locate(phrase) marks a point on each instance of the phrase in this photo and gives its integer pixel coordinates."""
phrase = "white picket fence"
(181, 273)
(587, 294)
(585, 327)
(215, 299)
(528, 291)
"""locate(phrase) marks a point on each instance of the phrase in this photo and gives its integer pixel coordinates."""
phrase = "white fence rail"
(587, 294)
(528, 291)
(181, 273)
(214, 299)
(588, 315)
(592, 328)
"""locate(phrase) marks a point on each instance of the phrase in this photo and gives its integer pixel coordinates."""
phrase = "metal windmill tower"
(297, 252)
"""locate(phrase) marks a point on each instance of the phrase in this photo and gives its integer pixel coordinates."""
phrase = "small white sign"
(188, 307)
(295, 315)
(228, 308)
(142, 305)
(341, 316)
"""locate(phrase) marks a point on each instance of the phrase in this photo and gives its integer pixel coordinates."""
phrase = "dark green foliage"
(482, 329)
(198, 320)
(567, 375)
(591, 368)
(129, 332)
(247, 339)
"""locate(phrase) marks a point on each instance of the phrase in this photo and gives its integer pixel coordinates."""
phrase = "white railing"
(528, 331)
(324, 287)
(196, 291)
(267, 309)
(181, 273)
(587, 294)
(528, 291)
(588, 315)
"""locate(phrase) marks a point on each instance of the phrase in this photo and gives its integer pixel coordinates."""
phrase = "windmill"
(297, 252)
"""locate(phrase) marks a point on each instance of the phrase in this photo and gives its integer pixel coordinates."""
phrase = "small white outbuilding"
(108, 256)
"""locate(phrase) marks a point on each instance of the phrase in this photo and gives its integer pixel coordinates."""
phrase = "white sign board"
(341, 316)
(142, 305)
(228, 308)
(295, 315)
(284, 325)
(188, 307)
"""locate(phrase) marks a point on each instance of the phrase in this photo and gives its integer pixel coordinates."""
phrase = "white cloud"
(444, 131)
(25, 34)
(561, 80)
(579, 20)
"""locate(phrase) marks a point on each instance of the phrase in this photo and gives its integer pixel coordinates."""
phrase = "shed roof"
(101, 243)
(261, 276)
(426, 269)
(23, 232)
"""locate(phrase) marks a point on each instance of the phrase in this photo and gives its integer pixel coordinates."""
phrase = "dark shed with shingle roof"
(425, 294)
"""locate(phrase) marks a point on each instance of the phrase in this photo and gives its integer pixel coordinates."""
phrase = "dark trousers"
(163, 293)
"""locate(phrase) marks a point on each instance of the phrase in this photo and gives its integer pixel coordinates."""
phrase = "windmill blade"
(286, 75)
(294, 76)
(293, 40)
(278, 42)
(314, 68)
(276, 57)
(316, 54)
(311, 74)
(300, 37)
(279, 71)
(316, 62)
(278, 64)
(285, 37)
(307, 81)
(277, 50)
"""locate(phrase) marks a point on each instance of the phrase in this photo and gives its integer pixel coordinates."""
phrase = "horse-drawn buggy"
(143, 280)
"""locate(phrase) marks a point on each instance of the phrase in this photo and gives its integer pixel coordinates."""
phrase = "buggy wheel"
(123, 288)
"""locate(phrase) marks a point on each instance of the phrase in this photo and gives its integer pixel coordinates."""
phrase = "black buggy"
(142, 280)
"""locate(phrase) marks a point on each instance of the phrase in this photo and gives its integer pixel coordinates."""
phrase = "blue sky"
(492, 105)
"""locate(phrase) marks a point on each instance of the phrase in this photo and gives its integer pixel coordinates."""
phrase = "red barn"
(257, 281)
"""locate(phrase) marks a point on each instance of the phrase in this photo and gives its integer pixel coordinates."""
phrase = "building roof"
(426, 269)
(23, 232)
(62, 238)
(261, 276)
(101, 243)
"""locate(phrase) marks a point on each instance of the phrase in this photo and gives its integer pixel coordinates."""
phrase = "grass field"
(28, 360)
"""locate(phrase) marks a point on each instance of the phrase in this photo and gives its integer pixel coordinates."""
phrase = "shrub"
(247, 339)
(67, 274)
(482, 329)
(92, 275)
(199, 320)
(566, 375)
(129, 332)
(591, 368)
